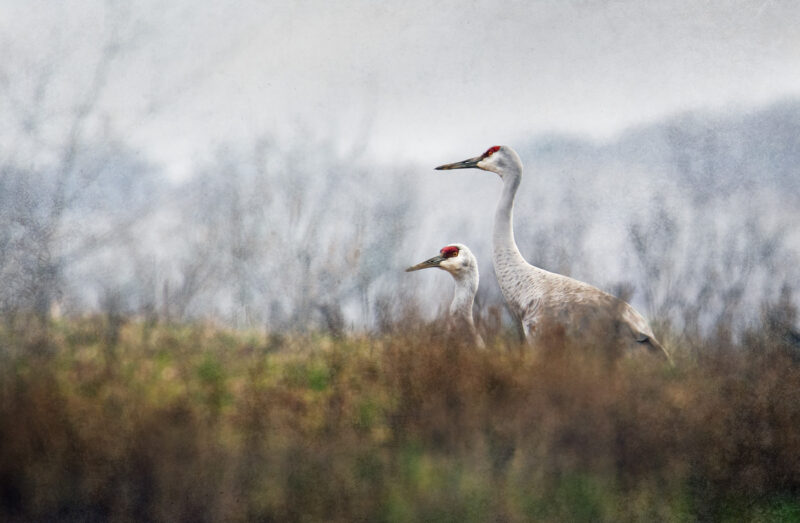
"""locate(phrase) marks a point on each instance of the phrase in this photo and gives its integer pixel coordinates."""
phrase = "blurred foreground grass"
(193, 423)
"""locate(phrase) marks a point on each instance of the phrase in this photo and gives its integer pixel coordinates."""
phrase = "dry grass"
(193, 423)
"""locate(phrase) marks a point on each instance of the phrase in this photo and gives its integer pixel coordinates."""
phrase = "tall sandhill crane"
(459, 261)
(545, 302)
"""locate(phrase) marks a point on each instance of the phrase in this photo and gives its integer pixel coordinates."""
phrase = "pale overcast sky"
(430, 80)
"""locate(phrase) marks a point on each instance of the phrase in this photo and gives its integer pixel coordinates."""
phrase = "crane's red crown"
(449, 252)
(491, 150)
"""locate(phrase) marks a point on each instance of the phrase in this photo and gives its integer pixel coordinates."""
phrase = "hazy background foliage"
(292, 225)
(690, 218)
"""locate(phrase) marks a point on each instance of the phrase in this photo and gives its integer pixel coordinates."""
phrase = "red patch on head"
(449, 252)
(491, 150)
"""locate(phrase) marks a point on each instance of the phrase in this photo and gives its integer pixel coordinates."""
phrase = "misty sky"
(430, 81)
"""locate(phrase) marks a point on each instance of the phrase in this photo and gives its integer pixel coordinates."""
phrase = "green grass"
(196, 423)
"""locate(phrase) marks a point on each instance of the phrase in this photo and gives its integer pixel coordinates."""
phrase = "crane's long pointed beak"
(432, 262)
(466, 164)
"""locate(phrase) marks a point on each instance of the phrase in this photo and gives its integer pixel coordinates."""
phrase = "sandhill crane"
(459, 261)
(545, 302)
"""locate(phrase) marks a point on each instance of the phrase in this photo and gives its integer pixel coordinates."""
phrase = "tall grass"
(192, 423)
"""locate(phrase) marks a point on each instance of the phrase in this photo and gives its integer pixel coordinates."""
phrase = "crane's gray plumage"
(544, 301)
(459, 261)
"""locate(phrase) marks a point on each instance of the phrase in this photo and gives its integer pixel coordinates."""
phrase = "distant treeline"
(691, 218)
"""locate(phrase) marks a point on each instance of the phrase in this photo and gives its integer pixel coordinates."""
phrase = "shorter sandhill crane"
(547, 303)
(459, 261)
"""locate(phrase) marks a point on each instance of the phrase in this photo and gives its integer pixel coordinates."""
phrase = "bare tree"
(284, 237)
(68, 188)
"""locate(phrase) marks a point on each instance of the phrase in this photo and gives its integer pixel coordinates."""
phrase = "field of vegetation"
(138, 421)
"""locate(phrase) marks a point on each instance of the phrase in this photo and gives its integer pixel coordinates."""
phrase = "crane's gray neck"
(464, 297)
(504, 246)
(461, 321)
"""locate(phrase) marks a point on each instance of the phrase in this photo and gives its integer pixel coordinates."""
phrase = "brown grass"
(193, 423)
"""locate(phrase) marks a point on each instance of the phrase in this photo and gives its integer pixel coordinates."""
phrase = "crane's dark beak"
(466, 164)
(432, 262)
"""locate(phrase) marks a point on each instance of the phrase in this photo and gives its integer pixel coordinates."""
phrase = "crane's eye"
(491, 150)
(451, 251)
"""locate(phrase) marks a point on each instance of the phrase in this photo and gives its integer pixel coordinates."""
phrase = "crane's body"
(459, 261)
(546, 303)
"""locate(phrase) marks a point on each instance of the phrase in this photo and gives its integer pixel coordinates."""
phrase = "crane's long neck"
(506, 253)
(461, 307)
(464, 297)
